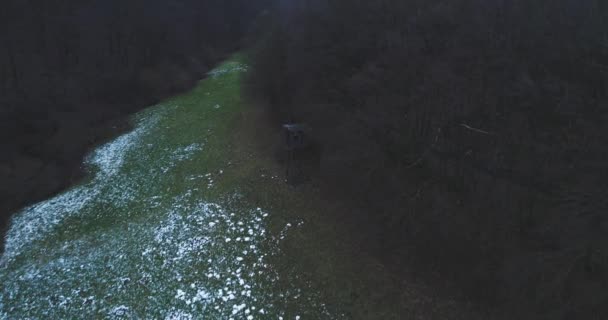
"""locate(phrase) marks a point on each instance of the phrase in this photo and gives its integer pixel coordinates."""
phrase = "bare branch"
(477, 130)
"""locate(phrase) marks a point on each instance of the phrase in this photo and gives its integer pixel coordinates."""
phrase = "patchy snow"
(120, 311)
(36, 221)
(179, 315)
(185, 153)
(129, 243)
(232, 68)
(110, 158)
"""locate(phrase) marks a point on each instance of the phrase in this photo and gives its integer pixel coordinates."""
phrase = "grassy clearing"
(188, 217)
(162, 228)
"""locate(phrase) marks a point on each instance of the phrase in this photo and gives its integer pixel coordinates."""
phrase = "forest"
(71, 70)
(469, 136)
(470, 133)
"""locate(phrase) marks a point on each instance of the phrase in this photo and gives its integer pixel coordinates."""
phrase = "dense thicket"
(472, 131)
(69, 66)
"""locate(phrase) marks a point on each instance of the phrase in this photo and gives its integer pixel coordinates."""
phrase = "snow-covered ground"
(129, 244)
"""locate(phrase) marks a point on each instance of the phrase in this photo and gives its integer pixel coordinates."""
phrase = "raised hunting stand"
(296, 141)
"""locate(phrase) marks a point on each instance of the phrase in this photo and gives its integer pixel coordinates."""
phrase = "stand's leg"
(287, 167)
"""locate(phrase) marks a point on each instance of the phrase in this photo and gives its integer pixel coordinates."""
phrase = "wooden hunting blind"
(296, 141)
(295, 136)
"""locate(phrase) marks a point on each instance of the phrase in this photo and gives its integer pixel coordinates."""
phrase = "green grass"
(163, 227)
(154, 218)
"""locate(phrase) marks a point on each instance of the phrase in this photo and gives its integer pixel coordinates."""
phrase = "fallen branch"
(477, 130)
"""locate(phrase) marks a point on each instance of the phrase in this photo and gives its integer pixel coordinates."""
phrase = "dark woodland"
(471, 133)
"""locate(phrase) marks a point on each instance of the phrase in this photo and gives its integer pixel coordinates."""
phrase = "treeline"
(50, 49)
(473, 133)
(67, 67)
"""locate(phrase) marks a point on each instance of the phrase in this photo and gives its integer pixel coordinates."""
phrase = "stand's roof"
(293, 127)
